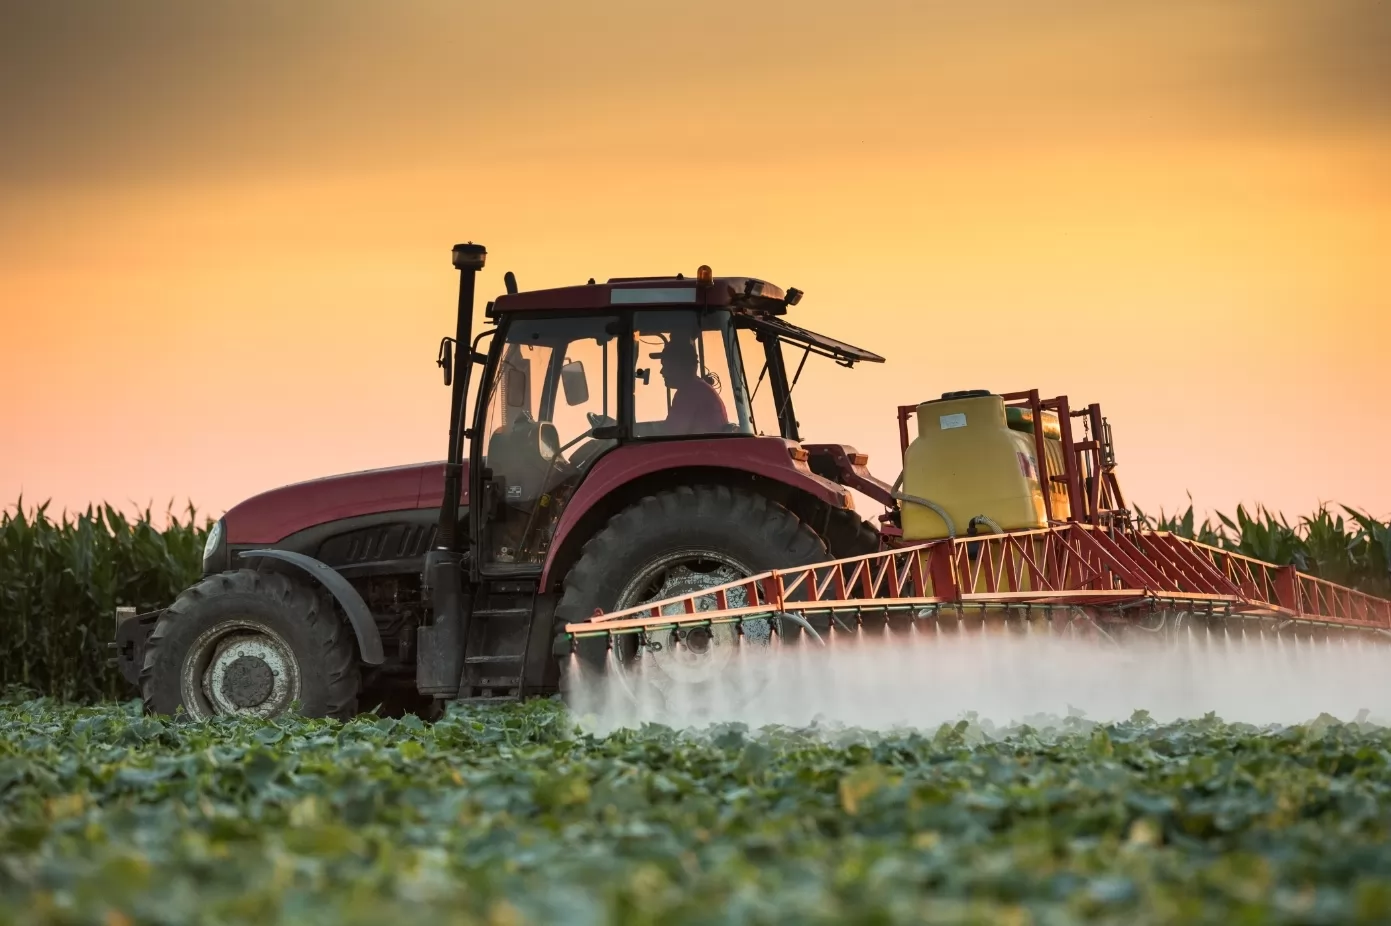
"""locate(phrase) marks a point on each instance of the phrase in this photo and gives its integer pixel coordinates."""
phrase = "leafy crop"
(60, 584)
(509, 816)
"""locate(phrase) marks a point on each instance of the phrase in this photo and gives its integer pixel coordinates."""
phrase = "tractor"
(627, 442)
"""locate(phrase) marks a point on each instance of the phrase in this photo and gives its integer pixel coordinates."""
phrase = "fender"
(766, 457)
(369, 641)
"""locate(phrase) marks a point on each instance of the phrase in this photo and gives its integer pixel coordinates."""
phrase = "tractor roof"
(677, 291)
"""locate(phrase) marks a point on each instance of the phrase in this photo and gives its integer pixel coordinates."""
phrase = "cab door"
(552, 382)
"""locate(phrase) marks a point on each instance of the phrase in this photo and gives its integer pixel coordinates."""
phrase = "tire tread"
(592, 579)
(335, 646)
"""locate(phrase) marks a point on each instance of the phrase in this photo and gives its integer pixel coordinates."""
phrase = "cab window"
(687, 375)
(763, 410)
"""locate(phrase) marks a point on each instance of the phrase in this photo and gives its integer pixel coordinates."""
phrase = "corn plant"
(61, 581)
(1351, 552)
(1183, 525)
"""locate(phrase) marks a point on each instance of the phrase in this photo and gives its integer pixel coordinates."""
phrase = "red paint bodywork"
(272, 516)
(761, 456)
(850, 464)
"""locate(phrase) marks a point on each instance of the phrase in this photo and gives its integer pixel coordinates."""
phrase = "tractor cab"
(574, 372)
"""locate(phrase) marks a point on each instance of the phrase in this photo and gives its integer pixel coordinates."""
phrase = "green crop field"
(514, 816)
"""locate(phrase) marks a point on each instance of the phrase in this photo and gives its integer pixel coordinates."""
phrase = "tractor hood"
(272, 516)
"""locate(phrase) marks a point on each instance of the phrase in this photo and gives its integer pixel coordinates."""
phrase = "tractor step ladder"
(489, 672)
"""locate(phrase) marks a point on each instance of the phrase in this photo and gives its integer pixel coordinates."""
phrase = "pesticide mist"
(923, 682)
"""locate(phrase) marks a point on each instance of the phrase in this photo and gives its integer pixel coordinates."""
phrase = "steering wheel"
(599, 421)
(595, 422)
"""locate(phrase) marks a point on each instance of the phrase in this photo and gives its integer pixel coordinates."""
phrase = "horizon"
(180, 512)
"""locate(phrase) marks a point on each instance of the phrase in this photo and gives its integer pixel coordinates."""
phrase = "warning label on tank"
(1026, 465)
(953, 421)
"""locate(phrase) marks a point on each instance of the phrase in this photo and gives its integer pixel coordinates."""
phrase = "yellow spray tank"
(973, 459)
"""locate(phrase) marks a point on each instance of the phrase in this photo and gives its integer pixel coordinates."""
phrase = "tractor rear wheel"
(250, 644)
(847, 534)
(673, 543)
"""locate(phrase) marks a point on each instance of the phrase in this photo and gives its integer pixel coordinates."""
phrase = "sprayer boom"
(1112, 580)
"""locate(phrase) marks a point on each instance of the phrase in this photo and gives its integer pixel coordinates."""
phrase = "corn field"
(62, 579)
(1355, 551)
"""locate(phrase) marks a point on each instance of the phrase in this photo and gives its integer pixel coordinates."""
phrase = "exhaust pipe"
(468, 260)
(440, 649)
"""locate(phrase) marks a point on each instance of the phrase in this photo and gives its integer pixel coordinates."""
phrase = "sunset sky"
(225, 227)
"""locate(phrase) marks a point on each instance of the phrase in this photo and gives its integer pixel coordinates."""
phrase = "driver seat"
(522, 457)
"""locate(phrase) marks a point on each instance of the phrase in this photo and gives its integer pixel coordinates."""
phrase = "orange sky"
(224, 230)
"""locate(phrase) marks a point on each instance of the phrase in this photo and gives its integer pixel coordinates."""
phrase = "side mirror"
(446, 360)
(574, 383)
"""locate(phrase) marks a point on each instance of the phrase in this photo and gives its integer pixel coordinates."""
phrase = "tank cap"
(966, 394)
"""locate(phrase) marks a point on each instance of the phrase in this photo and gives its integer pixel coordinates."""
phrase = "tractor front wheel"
(250, 644)
(673, 543)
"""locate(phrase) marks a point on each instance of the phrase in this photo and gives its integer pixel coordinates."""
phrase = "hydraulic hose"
(1163, 621)
(925, 503)
(801, 622)
(1080, 615)
(987, 521)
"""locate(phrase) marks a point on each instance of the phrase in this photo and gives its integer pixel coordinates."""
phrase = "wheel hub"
(698, 640)
(242, 668)
(248, 681)
(697, 654)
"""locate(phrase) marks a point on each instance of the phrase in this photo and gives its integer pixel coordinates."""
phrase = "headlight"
(214, 541)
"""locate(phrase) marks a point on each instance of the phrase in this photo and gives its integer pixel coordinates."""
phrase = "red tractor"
(629, 441)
